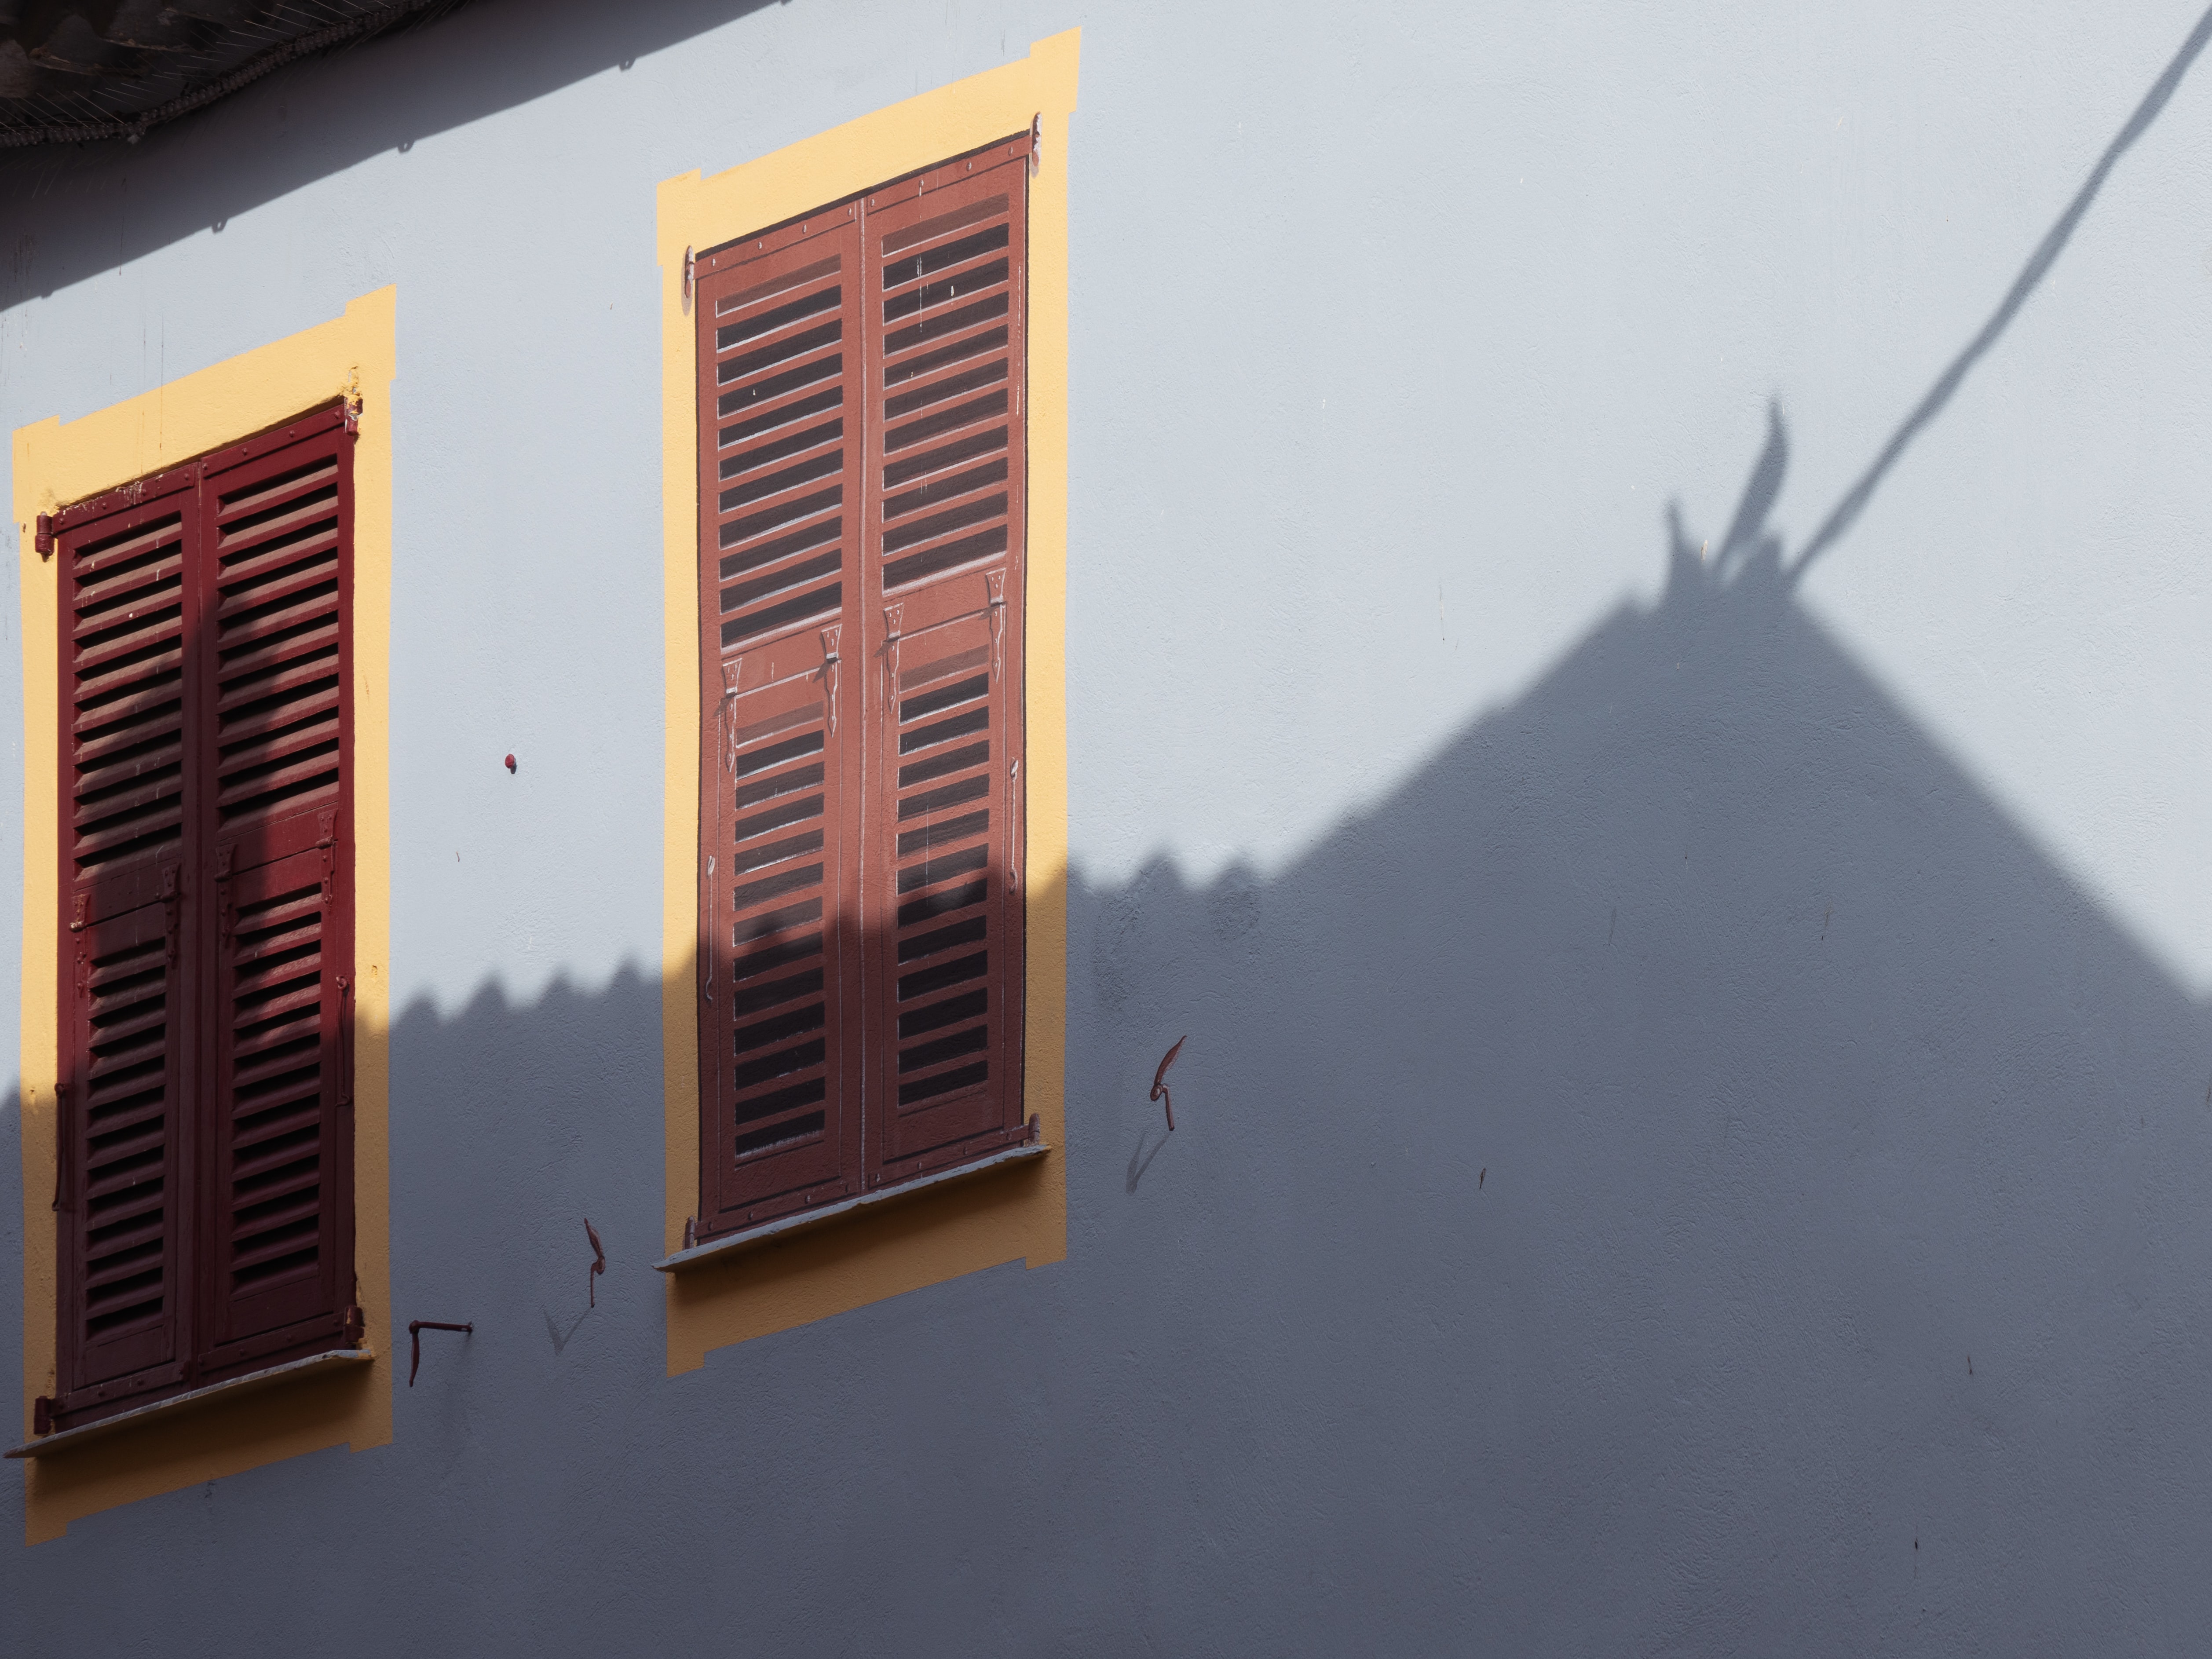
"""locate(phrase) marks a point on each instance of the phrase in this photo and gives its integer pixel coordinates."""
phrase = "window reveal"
(862, 510)
(204, 1191)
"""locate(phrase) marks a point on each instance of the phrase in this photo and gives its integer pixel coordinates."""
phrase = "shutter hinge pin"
(44, 538)
(1036, 142)
(690, 273)
(415, 1329)
(42, 1415)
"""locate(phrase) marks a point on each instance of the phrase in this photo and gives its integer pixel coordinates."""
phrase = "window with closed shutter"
(861, 389)
(205, 1186)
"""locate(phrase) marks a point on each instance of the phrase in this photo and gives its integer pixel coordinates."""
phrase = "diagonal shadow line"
(2046, 253)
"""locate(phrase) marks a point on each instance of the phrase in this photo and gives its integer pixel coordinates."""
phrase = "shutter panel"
(278, 587)
(781, 684)
(945, 519)
(125, 1143)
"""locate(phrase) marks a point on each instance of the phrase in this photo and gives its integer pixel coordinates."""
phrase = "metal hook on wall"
(415, 1329)
(1160, 1079)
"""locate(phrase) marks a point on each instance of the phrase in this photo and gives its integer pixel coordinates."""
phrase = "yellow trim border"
(56, 464)
(934, 1236)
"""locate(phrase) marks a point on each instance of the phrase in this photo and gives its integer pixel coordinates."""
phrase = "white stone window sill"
(68, 1439)
(769, 1232)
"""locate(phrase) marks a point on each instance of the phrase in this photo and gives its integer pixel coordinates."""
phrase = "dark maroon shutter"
(276, 582)
(941, 877)
(783, 676)
(206, 919)
(125, 1001)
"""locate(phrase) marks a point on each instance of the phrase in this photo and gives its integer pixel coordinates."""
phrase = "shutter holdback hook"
(415, 1329)
(1160, 1079)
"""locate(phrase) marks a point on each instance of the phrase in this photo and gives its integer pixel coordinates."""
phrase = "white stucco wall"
(1395, 331)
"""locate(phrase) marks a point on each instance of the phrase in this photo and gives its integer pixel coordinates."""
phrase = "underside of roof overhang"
(81, 71)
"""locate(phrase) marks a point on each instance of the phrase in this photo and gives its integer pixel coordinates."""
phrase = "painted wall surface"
(1694, 1136)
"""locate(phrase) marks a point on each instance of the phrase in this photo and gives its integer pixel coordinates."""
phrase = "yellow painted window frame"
(352, 356)
(963, 1227)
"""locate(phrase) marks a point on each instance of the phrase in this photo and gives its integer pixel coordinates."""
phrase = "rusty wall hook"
(598, 1261)
(415, 1329)
(1160, 1079)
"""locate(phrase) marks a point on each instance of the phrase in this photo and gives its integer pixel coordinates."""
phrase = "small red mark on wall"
(510, 762)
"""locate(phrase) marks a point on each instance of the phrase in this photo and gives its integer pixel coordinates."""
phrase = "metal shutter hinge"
(77, 912)
(690, 273)
(345, 1041)
(42, 1415)
(994, 596)
(894, 615)
(1036, 142)
(830, 671)
(44, 539)
(169, 907)
(226, 916)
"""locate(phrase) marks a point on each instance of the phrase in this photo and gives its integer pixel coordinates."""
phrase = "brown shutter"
(783, 678)
(126, 1012)
(206, 877)
(945, 512)
(277, 585)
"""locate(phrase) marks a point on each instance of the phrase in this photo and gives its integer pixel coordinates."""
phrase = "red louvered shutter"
(940, 872)
(276, 585)
(127, 710)
(205, 952)
(782, 680)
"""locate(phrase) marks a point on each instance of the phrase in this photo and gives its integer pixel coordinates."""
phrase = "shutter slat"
(243, 505)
